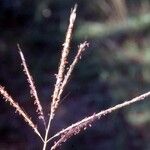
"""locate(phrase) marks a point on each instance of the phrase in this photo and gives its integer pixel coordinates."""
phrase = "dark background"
(116, 67)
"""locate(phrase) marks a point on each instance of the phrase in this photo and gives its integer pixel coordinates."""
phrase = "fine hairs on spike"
(62, 78)
(33, 91)
(19, 110)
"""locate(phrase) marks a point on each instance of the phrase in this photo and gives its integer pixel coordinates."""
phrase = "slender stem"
(61, 71)
(63, 62)
(44, 146)
(100, 114)
(33, 90)
(19, 110)
(46, 133)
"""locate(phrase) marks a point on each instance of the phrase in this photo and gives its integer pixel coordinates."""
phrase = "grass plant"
(62, 77)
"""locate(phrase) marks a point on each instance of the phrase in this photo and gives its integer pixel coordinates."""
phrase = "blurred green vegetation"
(115, 68)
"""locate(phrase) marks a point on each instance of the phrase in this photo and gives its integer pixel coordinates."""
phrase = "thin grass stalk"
(84, 123)
(63, 61)
(33, 90)
(61, 71)
(19, 110)
(69, 72)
